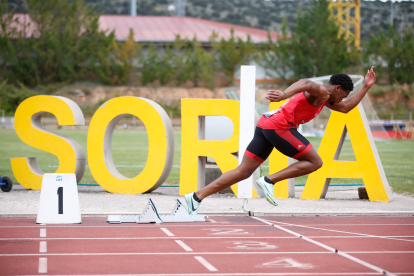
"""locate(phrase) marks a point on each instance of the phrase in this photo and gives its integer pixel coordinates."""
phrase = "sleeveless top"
(291, 114)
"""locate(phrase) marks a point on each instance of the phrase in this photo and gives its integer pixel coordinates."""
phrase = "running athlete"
(278, 129)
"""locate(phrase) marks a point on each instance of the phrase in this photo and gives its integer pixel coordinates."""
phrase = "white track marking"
(165, 230)
(251, 245)
(339, 231)
(245, 274)
(204, 253)
(205, 263)
(174, 237)
(183, 245)
(212, 220)
(43, 232)
(42, 265)
(196, 225)
(43, 247)
(226, 231)
(373, 267)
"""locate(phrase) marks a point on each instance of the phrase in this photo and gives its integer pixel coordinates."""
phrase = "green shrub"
(11, 96)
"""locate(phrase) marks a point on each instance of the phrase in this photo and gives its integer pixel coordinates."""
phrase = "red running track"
(303, 245)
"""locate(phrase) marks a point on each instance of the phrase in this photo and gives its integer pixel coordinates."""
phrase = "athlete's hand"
(275, 96)
(370, 77)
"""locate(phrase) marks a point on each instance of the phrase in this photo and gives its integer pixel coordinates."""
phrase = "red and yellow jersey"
(291, 114)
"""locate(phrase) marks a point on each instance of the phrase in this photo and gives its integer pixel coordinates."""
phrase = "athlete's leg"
(291, 143)
(257, 151)
(243, 171)
(308, 163)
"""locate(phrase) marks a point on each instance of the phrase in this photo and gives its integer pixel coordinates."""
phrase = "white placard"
(59, 201)
(247, 122)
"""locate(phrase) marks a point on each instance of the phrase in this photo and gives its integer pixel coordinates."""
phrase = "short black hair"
(343, 80)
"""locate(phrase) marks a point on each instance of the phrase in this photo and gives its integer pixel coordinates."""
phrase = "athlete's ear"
(337, 88)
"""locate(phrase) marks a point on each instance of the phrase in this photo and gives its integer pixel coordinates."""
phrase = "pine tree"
(317, 46)
(276, 56)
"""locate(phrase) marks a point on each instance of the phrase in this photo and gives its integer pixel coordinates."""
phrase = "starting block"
(150, 215)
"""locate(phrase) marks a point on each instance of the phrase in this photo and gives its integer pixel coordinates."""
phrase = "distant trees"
(66, 45)
(62, 47)
(392, 54)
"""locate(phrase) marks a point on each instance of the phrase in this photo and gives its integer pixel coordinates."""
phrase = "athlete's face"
(337, 94)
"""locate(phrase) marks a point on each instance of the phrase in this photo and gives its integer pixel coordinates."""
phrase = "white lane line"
(183, 245)
(339, 231)
(43, 247)
(205, 263)
(165, 230)
(197, 238)
(43, 232)
(248, 274)
(138, 226)
(42, 265)
(244, 274)
(212, 220)
(205, 253)
(373, 267)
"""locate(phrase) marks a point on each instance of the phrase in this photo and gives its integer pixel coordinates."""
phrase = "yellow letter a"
(368, 165)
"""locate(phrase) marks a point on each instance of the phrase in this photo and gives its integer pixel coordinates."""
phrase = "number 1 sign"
(59, 201)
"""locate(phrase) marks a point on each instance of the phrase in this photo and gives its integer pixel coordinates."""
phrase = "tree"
(180, 61)
(64, 44)
(165, 71)
(392, 55)
(233, 53)
(277, 55)
(115, 62)
(318, 49)
(150, 65)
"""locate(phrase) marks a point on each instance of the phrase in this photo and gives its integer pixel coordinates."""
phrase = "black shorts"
(288, 141)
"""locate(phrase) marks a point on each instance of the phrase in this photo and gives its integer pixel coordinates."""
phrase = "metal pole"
(392, 13)
(133, 7)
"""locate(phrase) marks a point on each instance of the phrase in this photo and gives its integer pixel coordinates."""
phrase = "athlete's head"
(339, 86)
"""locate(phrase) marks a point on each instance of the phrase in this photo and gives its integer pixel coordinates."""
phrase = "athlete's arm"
(349, 104)
(300, 86)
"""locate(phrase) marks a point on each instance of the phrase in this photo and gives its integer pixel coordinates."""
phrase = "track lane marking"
(204, 253)
(206, 264)
(171, 225)
(333, 250)
(174, 237)
(166, 231)
(43, 247)
(242, 274)
(42, 265)
(339, 231)
(43, 232)
(183, 245)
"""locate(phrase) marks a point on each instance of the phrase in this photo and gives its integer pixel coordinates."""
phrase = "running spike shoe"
(267, 189)
(192, 204)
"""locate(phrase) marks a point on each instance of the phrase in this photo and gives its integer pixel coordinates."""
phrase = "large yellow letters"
(194, 149)
(161, 145)
(29, 129)
(368, 165)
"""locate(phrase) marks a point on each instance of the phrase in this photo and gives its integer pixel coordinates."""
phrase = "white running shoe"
(192, 204)
(267, 189)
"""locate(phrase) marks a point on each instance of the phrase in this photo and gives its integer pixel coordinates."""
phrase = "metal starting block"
(150, 215)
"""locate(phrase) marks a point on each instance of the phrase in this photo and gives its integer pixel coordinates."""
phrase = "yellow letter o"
(161, 145)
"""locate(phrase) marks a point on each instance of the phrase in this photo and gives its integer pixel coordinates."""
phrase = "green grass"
(130, 152)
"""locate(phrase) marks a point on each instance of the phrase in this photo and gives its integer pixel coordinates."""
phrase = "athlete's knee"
(317, 163)
(244, 173)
